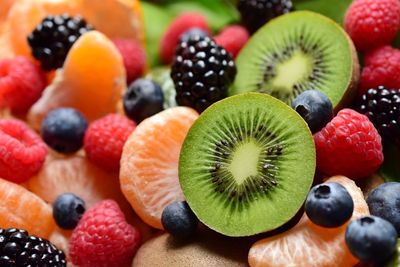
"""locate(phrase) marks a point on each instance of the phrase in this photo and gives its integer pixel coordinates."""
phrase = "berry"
(143, 99)
(315, 108)
(382, 107)
(371, 239)
(179, 220)
(192, 32)
(381, 68)
(22, 151)
(51, 40)
(372, 23)
(180, 25)
(384, 201)
(21, 84)
(134, 58)
(105, 138)
(103, 237)
(232, 38)
(255, 13)
(68, 210)
(63, 129)
(18, 248)
(329, 205)
(202, 72)
(349, 145)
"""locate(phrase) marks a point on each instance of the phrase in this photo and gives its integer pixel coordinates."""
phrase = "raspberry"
(105, 138)
(21, 84)
(134, 58)
(255, 13)
(372, 23)
(349, 145)
(382, 107)
(22, 151)
(382, 68)
(21, 249)
(180, 25)
(202, 71)
(53, 38)
(232, 38)
(103, 238)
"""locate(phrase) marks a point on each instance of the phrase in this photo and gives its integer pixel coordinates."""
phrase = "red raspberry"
(232, 38)
(180, 25)
(382, 68)
(22, 151)
(103, 238)
(349, 145)
(134, 58)
(21, 83)
(105, 138)
(372, 23)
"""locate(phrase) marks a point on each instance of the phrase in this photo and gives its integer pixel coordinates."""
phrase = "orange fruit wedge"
(22, 209)
(309, 245)
(115, 18)
(92, 80)
(149, 163)
(75, 174)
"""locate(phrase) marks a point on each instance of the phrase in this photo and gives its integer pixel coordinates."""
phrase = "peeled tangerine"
(149, 163)
(115, 18)
(309, 245)
(20, 208)
(92, 80)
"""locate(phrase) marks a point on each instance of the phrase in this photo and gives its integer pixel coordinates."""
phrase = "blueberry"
(143, 99)
(192, 32)
(63, 130)
(68, 210)
(384, 202)
(329, 205)
(371, 239)
(315, 108)
(179, 220)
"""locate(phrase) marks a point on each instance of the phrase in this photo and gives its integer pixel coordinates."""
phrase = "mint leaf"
(333, 9)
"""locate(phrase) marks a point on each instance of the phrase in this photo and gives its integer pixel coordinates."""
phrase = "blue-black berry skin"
(63, 130)
(191, 33)
(371, 239)
(315, 108)
(143, 99)
(329, 205)
(179, 220)
(68, 209)
(384, 202)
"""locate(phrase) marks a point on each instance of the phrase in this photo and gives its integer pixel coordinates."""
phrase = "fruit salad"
(201, 133)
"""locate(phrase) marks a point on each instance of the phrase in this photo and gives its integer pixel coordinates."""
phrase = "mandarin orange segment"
(92, 80)
(20, 208)
(75, 174)
(149, 163)
(307, 244)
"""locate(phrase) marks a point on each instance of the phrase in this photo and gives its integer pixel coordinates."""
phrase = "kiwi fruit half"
(247, 164)
(296, 52)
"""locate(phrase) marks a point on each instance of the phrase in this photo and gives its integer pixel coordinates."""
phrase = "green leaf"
(390, 170)
(395, 260)
(333, 9)
(219, 13)
(156, 20)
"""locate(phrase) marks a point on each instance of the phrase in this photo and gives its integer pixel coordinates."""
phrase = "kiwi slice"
(247, 164)
(296, 52)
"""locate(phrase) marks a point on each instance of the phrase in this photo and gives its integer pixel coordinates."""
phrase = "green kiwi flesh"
(296, 52)
(247, 164)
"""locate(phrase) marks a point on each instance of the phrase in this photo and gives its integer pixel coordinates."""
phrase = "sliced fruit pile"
(198, 133)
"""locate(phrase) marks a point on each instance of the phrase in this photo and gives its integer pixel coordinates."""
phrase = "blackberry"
(18, 248)
(51, 40)
(382, 107)
(202, 72)
(255, 13)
